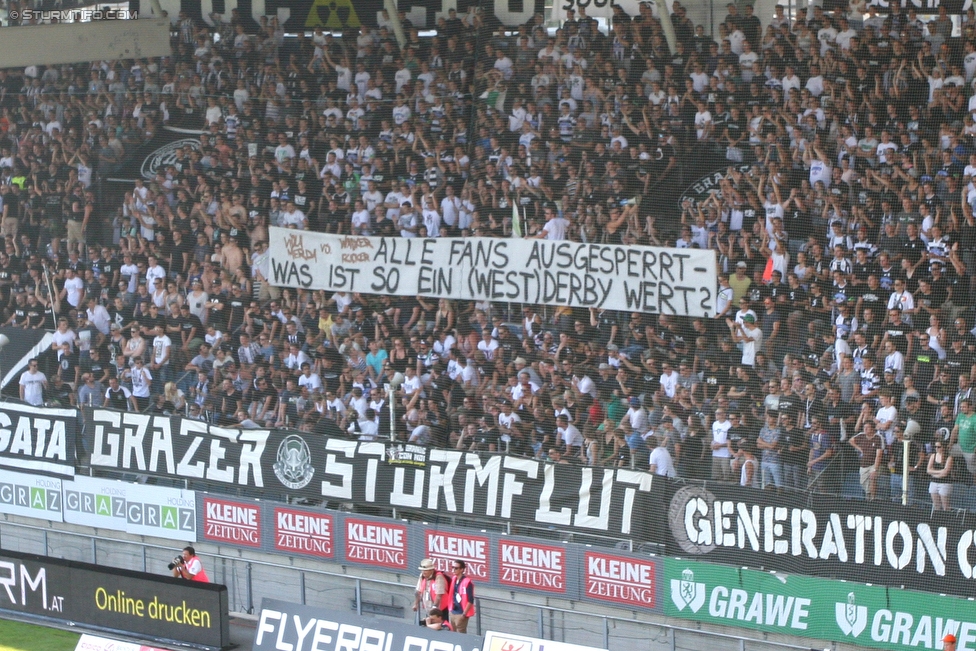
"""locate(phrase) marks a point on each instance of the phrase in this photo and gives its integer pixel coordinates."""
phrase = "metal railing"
(249, 580)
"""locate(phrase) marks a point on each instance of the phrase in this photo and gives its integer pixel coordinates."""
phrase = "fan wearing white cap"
(431, 590)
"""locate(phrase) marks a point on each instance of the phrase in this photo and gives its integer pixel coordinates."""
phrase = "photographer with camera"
(188, 566)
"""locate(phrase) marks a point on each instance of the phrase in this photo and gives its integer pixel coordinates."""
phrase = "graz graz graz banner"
(38, 439)
(443, 482)
(632, 278)
(871, 542)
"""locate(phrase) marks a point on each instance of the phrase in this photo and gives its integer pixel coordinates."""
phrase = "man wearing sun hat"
(431, 590)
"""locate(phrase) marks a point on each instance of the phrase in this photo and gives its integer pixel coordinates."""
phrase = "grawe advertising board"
(819, 535)
(379, 543)
(272, 464)
(101, 598)
(31, 496)
(532, 566)
(633, 278)
(840, 611)
(39, 439)
(138, 509)
(285, 626)
(231, 521)
(443, 547)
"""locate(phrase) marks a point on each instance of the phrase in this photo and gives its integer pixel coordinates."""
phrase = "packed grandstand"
(837, 154)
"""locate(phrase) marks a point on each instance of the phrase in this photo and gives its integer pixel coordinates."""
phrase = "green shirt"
(616, 409)
(967, 432)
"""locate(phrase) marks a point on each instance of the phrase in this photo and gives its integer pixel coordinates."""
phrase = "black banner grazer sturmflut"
(604, 501)
(819, 535)
(38, 439)
(101, 598)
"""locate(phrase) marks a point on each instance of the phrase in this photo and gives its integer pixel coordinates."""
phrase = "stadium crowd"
(843, 227)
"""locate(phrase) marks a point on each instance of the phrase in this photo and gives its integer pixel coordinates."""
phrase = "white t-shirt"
(887, 415)
(368, 429)
(360, 220)
(161, 344)
(33, 384)
(751, 345)
(664, 464)
(140, 382)
(312, 381)
(720, 434)
(488, 348)
(570, 435)
(75, 288)
(555, 228)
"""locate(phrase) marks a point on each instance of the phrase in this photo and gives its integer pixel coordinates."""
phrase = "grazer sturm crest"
(851, 618)
(685, 592)
(165, 156)
(293, 467)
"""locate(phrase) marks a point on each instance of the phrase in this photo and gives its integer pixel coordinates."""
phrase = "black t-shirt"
(188, 323)
(117, 399)
(121, 316)
(149, 322)
(898, 335)
(942, 390)
(236, 306)
(35, 314)
(796, 437)
(872, 298)
(863, 270)
(958, 363)
(219, 311)
(67, 365)
(789, 406)
(912, 249)
(95, 367)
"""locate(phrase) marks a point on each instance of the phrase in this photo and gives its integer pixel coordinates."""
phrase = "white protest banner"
(648, 279)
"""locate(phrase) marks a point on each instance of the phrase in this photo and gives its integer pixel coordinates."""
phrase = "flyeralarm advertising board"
(100, 598)
(443, 547)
